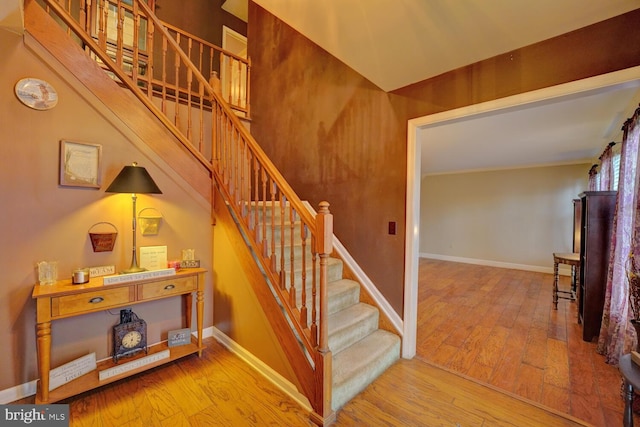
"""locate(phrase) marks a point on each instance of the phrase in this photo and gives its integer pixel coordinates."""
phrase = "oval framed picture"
(37, 94)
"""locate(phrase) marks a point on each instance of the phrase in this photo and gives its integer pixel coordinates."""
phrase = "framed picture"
(80, 164)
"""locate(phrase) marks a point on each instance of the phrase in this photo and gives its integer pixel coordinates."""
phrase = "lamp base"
(133, 269)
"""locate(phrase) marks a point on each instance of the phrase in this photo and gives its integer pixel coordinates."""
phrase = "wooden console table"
(64, 299)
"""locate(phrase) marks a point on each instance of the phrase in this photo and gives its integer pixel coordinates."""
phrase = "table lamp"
(133, 179)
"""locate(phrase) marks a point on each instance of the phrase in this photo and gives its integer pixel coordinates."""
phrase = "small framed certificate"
(80, 164)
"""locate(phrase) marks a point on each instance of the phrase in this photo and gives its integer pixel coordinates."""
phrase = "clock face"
(131, 339)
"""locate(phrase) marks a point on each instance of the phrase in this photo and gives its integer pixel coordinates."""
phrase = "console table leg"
(43, 333)
(200, 318)
(188, 298)
(627, 420)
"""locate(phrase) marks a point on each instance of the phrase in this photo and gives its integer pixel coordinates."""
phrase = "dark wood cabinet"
(596, 228)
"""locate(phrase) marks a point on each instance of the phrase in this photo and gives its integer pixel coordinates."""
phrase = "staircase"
(332, 340)
(361, 350)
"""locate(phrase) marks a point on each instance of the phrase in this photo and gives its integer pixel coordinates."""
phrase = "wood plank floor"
(219, 389)
(485, 327)
(498, 326)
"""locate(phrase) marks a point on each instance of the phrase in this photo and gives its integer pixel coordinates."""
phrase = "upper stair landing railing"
(262, 202)
(122, 32)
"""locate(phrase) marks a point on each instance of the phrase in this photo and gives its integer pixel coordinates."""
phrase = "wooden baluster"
(150, 64)
(239, 84)
(201, 118)
(265, 248)
(164, 75)
(292, 288)
(256, 175)
(201, 105)
(189, 112)
(247, 92)
(189, 84)
(84, 16)
(229, 78)
(303, 295)
(242, 148)
(314, 295)
(102, 22)
(136, 43)
(119, 34)
(283, 201)
(176, 83)
(274, 265)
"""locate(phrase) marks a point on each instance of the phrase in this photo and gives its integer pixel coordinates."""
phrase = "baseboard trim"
(563, 270)
(18, 392)
(259, 366)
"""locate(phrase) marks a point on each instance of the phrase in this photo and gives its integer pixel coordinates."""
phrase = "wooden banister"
(265, 208)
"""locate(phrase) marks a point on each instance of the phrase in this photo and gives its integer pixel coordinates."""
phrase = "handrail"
(271, 216)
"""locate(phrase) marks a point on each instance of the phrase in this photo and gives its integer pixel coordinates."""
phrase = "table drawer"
(166, 287)
(91, 301)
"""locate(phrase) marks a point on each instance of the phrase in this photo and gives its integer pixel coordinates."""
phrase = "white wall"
(513, 218)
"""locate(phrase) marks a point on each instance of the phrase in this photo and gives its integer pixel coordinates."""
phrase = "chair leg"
(555, 285)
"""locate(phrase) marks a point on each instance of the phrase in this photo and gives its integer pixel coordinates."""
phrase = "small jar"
(81, 275)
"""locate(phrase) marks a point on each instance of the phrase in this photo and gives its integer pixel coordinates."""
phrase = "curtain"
(617, 336)
(605, 182)
(593, 178)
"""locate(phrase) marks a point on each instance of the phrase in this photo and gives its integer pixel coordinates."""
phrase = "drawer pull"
(96, 300)
(169, 287)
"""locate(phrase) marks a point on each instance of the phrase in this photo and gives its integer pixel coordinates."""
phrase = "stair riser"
(337, 302)
(349, 388)
(297, 253)
(270, 214)
(334, 272)
(338, 341)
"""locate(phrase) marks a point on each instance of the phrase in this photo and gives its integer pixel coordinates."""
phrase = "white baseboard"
(276, 379)
(18, 392)
(563, 269)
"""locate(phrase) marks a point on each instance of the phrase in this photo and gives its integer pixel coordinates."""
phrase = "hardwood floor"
(219, 389)
(506, 359)
(498, 326)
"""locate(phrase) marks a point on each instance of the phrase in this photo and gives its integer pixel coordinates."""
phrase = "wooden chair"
(572, 259)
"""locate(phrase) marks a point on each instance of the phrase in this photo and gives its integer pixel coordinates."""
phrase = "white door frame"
(629, 76)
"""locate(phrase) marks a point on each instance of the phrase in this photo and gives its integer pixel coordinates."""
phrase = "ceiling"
(394, 43)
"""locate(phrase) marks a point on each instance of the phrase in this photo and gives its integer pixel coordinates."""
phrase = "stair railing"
(272, 218)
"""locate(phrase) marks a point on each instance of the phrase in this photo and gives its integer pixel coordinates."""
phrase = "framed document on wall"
(80, 164)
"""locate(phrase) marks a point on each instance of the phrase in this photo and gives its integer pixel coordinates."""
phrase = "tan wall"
(337, 137)
(39, 220)
(237, 311)
(518, 216)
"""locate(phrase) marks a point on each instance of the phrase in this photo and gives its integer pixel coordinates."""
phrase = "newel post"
(324, 247)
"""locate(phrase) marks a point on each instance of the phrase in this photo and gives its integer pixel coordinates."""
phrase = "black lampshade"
(133, 179)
